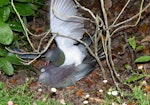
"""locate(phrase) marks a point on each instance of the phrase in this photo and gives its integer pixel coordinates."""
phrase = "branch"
(130, 19)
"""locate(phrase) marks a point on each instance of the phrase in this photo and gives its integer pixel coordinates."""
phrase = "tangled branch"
(102, 26)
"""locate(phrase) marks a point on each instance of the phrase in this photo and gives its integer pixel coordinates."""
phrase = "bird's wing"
(83, 69)
(64, 20)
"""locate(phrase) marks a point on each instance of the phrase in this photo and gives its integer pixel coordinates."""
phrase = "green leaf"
(2, 86)
(134, 77)
(24, 9)
(24, 0)
(3, 52)
(6, 66)
(15, 26)
(142, 59)
(6, 34)
(3, 2)
(4, 13)
(139, 48)
(13, 59)
(132, 42)
(128, 67)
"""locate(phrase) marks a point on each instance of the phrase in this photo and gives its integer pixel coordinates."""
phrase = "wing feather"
(64, 21)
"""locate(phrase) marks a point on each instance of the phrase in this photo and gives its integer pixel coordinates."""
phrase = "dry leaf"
(132, 103)
(72, 87)
(89, 81)
(146, 39)
(79, 93)
(144, 28)
(95, 74)
(38, 64)
(108, 4)
(147, 88)
(40, 30)
(13, 81)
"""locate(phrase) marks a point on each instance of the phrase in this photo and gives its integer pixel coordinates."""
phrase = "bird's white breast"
(73, 55)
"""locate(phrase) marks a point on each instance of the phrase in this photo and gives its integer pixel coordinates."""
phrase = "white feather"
(64, 21)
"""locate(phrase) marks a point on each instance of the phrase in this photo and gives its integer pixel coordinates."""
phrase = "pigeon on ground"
(65, 20)
(68, 63)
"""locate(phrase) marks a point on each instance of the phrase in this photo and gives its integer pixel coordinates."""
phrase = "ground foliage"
(123, 53)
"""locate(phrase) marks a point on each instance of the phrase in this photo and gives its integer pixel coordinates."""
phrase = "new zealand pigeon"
(68, 63)
(64, 20)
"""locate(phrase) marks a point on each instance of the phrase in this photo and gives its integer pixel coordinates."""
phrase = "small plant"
(142, 59)
(11, 29)
(136, 75)
(139, 95)
(21, 95)
(7, 60)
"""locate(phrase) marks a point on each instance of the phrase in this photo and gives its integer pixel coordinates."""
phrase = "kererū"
(68, 63)
(64, 20)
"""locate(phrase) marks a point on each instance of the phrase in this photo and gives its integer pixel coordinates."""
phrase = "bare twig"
(43, 51)
(130, 19)
(133, 17)
(108, 39)
(101, 25)
(39, 47)
(24, 27)
(121, 12)
(86, 9)
(96, 35)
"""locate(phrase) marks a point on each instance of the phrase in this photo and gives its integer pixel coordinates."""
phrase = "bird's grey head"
(44, 78)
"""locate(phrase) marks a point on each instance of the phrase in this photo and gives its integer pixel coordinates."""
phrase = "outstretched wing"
(64, 20)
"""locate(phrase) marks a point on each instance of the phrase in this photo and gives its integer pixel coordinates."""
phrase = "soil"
(122, 55)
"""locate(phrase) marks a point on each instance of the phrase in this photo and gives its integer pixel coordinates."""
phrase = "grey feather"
(56, 56)
(64, 76)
